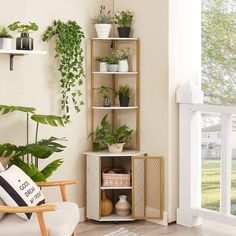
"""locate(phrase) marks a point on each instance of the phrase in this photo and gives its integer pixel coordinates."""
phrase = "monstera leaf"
(4, 109)
(7, 150)
(49, 120)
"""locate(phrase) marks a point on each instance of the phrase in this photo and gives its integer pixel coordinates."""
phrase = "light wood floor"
(209, 228)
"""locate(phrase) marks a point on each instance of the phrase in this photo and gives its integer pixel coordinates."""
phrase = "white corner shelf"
(116, 188)
(115, 39)
(115, 73)
(125, 153)
(115, 108)
(13, 53)
(115, 217)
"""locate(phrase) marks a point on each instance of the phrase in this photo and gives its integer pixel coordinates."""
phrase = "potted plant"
(103, 66)
(122, 56)
(106, 92)
(69, 53)
(5, 39)
(114, 138)
(24, 42)
(103, 22)
(113, 64)
(124, 20)
(124, 92)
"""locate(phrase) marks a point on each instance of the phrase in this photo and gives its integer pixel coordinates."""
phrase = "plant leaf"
(49, 120)
(4, 109)
(50, 168)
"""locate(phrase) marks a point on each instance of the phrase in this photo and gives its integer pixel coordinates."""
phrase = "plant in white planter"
(113, 64)
(103, 65)
(122, 56)
(114, 138)
(5, 39)
(103, 22)
(106, 92)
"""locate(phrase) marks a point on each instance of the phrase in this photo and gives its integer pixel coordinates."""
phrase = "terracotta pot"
(122, 206)
(106, 205)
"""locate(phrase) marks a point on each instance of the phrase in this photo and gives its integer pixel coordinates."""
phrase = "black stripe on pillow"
(15, 196)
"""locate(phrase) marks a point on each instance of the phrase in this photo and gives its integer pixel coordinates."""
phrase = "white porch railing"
(191, 105)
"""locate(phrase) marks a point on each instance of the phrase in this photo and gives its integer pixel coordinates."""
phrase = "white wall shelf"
(13, 53)
(115, 188)
(116, 73)
(115, 39)
(115, 108)
(106, 153)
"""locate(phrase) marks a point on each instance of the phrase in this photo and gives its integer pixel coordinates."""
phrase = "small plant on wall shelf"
(122, 56)
(114, 138)
(69, 50)
(5, 39)
(124, 92)
(113, 64)
(106, 92)
(103, 66)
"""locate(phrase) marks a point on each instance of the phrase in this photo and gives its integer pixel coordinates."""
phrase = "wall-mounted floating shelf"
(13, 53)
(115, 39)
(115, 108)
(116, 73)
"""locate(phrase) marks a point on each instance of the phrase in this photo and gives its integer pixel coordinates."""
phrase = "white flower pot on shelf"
(103, 30)
(123, 66)
(103, 67)
(113, 67)
(6, 43)
(116, 148)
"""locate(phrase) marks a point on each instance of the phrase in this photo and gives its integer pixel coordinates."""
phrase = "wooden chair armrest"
(56, 183)
(33, 209)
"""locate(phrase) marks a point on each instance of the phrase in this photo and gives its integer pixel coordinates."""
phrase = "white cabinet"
(145, 193)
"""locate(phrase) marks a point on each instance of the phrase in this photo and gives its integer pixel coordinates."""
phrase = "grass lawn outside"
(211, 185)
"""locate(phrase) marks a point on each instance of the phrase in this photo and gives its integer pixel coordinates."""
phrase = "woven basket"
(116, 180)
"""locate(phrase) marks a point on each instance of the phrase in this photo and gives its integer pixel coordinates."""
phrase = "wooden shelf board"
(22, 52)
(116, 73)
(114, 217)
(106, 153)
(115, 108)
(115, 38)
(123, 188)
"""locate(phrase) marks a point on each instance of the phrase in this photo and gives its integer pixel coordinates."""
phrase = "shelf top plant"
(105, 91)
(103, 17)
(124, 18)
(23, 28)
(123, 91)
(107, 135)
(122, 54)
(102, 59)
(4, 33)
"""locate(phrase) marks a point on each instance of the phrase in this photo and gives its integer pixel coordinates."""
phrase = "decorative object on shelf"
(103, 22)
(5, 39)
(124, 20)
(69, 50)
(123, 206)
(26, 157)
(124, 92)
(113, 64)
(106, 92)
(116, 178)
(103, 65)
(106, 205)
(24, 42)
(114, 138)
(122, 56)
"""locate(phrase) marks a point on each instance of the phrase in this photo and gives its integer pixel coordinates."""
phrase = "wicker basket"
(122, 178)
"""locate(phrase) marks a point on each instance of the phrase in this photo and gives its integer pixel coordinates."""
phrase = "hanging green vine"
(69, 50)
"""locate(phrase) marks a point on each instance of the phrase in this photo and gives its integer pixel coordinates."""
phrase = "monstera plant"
(26, 157)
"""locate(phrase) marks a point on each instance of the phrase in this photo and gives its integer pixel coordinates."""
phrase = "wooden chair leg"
(42, 224)
(74, 234)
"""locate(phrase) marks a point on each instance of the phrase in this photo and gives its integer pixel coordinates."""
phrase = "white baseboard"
(82, 214)
(164, 221)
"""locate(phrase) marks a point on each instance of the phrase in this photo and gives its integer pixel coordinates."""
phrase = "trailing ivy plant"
(26, 157)
(69, 50)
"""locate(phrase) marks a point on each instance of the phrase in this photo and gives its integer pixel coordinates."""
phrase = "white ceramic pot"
(6, 43)
(116, 148)
(103, 67)
(123, 206)
(113, 67)
(123, 66)
(103, 30)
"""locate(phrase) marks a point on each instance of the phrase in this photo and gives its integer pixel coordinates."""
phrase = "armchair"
(56, 219)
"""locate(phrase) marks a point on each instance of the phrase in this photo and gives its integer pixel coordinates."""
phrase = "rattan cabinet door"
(147, 199)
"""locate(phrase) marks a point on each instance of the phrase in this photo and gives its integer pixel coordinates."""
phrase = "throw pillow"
(2, 214)
(17, 189)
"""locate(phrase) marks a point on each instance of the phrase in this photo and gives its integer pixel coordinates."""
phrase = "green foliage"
(4, 109)
(103, 17)
(69, 50)
(23, 28)
(113, 60)
(102, 59)
(4, 33)
(218, 52)
(49, 120)
(124, 18)
(123, 91)
(108, 135)
(105, 91)
(122, 54)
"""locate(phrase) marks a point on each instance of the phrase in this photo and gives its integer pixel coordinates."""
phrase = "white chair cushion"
(61, 222)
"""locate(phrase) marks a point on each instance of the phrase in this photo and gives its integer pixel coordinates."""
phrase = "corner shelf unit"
(114, 77)
(13, 53)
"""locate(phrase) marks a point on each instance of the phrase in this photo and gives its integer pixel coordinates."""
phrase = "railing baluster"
(226, 155)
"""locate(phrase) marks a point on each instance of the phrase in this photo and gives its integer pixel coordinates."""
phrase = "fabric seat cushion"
(61, 222)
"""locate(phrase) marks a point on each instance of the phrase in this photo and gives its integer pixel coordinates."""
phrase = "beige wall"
(34, 82)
